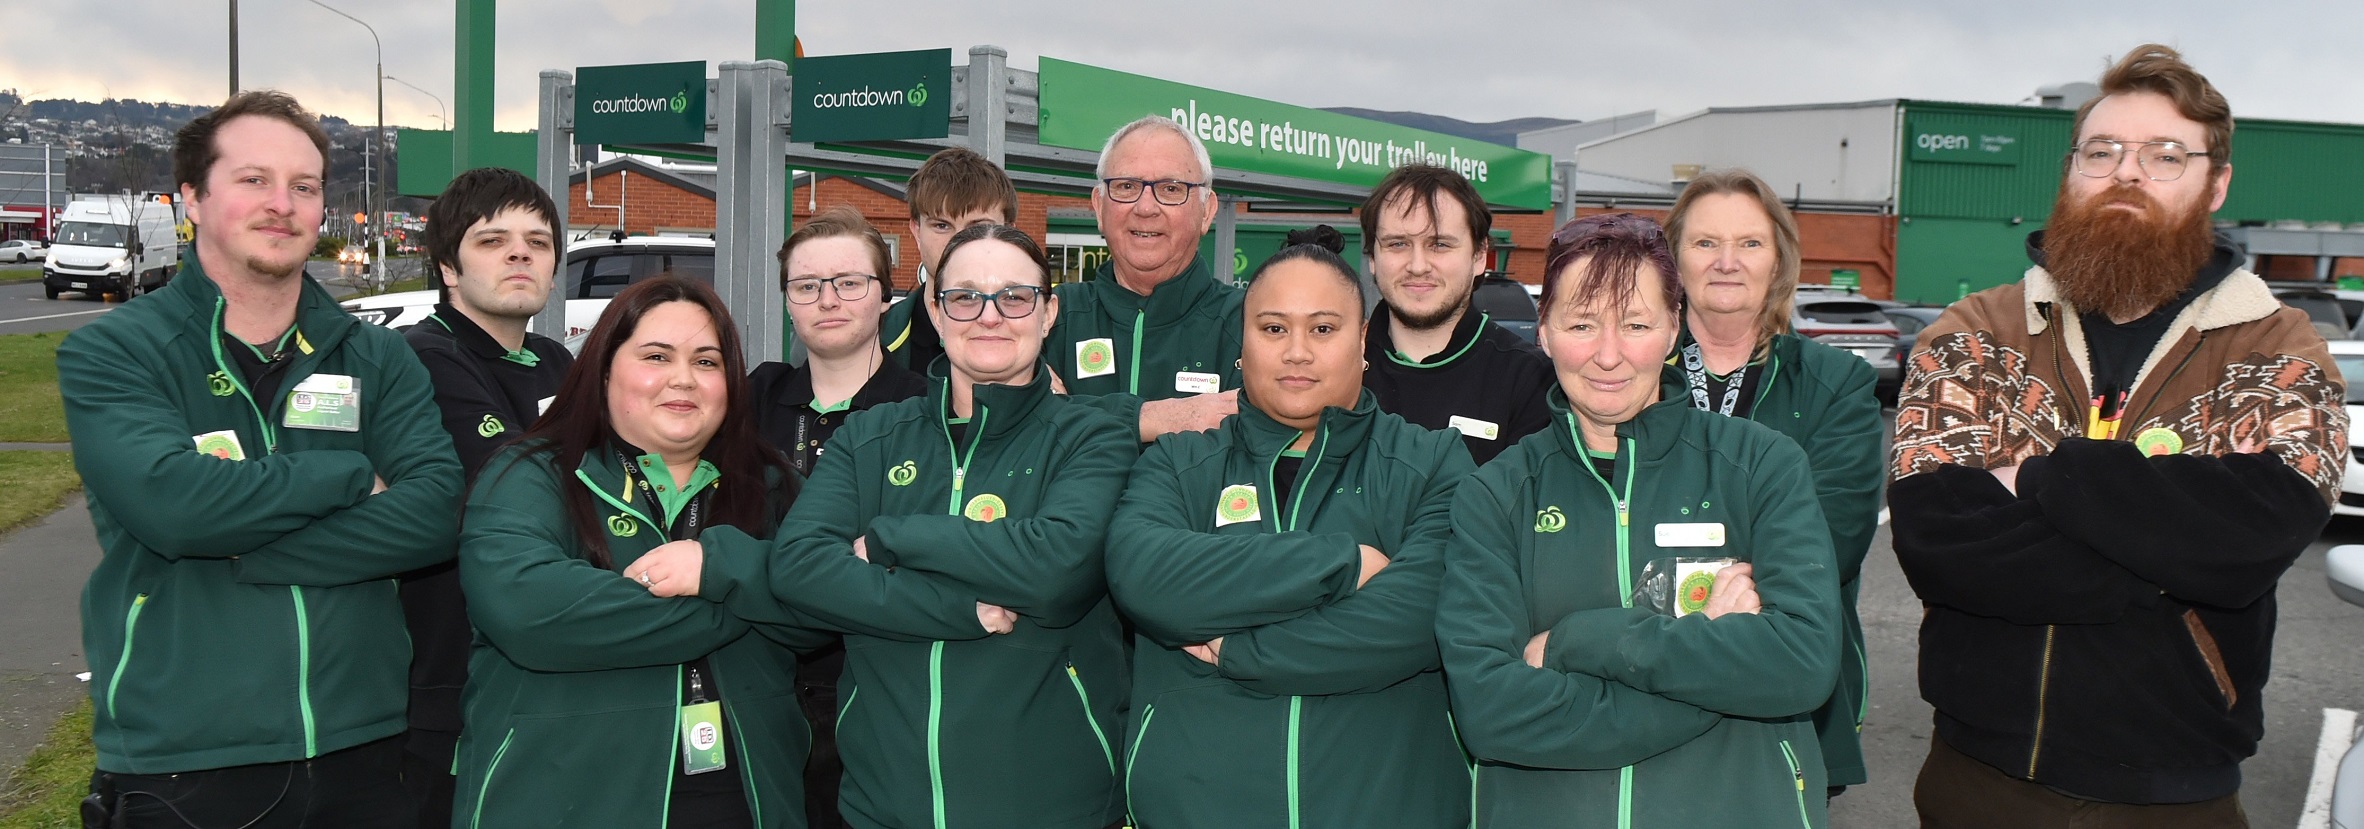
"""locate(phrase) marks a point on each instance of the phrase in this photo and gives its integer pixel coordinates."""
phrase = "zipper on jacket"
(1086, 698)
(848, 707)
(936, 731)
(1295, 818)
(131, 621)
(2035, 746)
(1140, 318)
(270, 436)
(484, 787)
(1772, 370)
(1148, 712)
(960, 463)
(673, 753)
(1798, 774)
(1296, 507)
(1624, 577)
(304, 671)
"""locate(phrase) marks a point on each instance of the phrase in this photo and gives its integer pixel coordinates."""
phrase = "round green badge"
(1237, 504)
(987, 508)
(2158, 440)
(1094, 357)
(1695, 590)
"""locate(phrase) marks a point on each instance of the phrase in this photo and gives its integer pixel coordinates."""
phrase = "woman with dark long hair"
(589, 700)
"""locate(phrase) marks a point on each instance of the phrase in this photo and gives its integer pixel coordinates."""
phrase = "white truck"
(123, 245)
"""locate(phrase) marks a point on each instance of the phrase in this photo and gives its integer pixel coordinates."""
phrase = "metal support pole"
(989, 102)
(377, 216)
(233, 47)
(1226, 237)
(1565, 211)
(472, 83)
(553, 153)
(751, 199)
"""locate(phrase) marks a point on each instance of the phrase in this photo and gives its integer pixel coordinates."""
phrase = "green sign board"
(1846, 278)
(645, 103)
(423, 158)
(2351, 282)
(875, 97)
(1957, 145)
(1082, 105)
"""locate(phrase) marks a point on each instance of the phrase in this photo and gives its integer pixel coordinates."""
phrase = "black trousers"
(426, 775)
(358, 787)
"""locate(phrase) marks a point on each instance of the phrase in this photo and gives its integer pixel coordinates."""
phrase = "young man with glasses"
(494, 251)
(1153, 334)
(832, 276)
(2101, 472)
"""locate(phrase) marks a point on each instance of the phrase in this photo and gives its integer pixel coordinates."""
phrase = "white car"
(2349, 354)
(20, 251)
(595, 272)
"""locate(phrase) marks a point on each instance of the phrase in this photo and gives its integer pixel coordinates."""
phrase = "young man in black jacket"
(1432, 361)
(2102, 471)
(493, 247)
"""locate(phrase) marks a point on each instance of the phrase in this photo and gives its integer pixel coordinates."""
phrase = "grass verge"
(47, 792)
(30, 411)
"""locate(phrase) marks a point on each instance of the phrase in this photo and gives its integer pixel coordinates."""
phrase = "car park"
(2322, 307)
(1851, 322)
(2349, 356)
(595, 272)
(20, 251)
(1507, 302)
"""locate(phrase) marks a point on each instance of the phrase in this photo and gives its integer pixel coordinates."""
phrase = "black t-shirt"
(263, 375)
(1284, 481)
(1602, 465)
(786, 420)
(1486, 377)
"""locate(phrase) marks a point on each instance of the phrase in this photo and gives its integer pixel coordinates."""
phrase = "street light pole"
(233, 47)
(439, 110)
(377, 139)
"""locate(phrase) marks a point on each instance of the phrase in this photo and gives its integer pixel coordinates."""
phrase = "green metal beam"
(472, 77)
(775, 31)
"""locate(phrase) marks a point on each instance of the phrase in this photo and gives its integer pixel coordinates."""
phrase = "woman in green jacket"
(1583, 705)
(1281, 574)
(956, 540)
(1736, 246)
(590, 701)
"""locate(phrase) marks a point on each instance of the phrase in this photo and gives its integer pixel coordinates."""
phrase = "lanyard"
(691, 518)
(1695, 375)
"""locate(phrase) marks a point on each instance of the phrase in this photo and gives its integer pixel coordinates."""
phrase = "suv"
(595, 272)
(1507, 302)
(1853, 323)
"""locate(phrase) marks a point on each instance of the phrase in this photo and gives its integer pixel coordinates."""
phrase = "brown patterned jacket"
(2106, 628)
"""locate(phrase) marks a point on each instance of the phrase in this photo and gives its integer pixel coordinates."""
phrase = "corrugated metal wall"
(2286, 170)
(1983, 191)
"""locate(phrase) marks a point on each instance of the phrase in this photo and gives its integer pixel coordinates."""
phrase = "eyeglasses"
(2159, 160)
(1014, 302)
(849, 287)
(1171, 192)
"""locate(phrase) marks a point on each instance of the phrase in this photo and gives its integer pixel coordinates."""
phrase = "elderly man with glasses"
(1153, 334)
(2101, 472)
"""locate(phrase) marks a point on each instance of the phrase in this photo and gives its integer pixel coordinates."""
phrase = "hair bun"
(1323, 236)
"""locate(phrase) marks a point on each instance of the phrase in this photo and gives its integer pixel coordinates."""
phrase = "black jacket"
(1486, 376)
(487, 400)
(784, 415)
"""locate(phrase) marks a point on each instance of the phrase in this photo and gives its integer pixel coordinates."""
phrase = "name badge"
(329, 402)
(1237, 505)
(222, 444)
(1095, 358)
(1476, 428)
(1197, 382)
(701, 738)
(542, 407)
(1691, 535)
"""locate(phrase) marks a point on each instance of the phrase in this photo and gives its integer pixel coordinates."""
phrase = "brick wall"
(649, 203)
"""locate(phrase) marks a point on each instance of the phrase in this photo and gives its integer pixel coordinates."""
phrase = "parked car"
(121, 245)
(1854, 323)
(595, 272)
(1507, 302)
(2322, 307)
(21, 251)
(2343, 567)
(2349, 355)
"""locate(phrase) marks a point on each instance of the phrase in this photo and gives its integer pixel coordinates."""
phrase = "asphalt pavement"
(25, 308)
(40, 609)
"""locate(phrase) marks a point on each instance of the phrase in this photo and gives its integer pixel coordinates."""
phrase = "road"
(2316, 666)
(25, 309)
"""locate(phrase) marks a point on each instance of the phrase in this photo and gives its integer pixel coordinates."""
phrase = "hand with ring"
(683, 563)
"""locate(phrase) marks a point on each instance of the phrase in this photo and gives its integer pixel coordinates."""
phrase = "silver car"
(1853, 323)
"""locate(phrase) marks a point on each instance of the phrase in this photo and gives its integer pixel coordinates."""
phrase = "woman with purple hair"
(1640, 611)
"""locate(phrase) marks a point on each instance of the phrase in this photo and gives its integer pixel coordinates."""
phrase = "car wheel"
(52, 292)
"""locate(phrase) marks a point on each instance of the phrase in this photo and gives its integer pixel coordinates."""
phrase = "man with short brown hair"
(260, 467)
(2101, 472)
(953, 189)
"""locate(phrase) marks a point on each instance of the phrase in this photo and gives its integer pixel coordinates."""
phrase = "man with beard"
(494, 250)
(2099, 475)
(261, 466)
(1432, 361)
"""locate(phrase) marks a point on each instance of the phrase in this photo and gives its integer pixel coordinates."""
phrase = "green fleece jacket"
(573, 704)
(1118, 349)
(1326, 705)
(1639, 719)
(245, 611)
(1822, 399)
(940, 724)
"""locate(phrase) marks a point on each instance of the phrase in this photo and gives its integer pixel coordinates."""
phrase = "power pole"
(233, 47)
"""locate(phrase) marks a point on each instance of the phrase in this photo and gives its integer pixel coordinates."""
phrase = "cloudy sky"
(1478, 60)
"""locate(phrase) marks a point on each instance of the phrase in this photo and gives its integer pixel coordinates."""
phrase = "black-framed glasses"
(849, 287)
(2159, 160)
(1171, 192)
(1013, 302)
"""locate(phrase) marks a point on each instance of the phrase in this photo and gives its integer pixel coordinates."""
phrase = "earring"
(1235, 366)
(1366, 365)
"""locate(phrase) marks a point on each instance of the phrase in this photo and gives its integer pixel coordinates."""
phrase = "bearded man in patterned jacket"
(2100, 473)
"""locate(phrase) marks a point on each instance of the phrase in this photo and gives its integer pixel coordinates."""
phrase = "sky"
(1478, 60)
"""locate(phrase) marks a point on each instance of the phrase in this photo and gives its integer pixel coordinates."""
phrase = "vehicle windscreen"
(1846, 312)
(2352, 365)
(1504, 300)
(91, 234)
